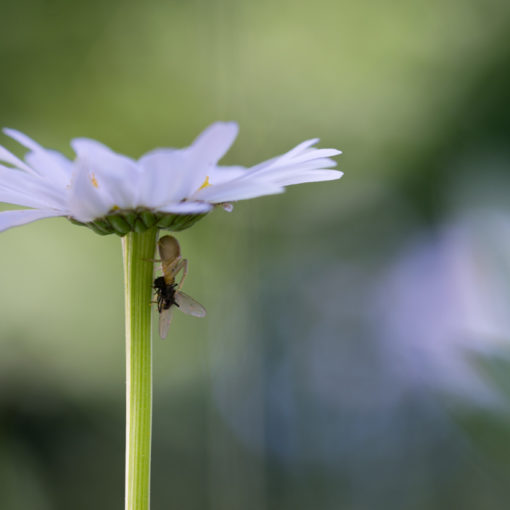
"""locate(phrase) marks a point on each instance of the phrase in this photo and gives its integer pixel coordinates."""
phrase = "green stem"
(138, 250)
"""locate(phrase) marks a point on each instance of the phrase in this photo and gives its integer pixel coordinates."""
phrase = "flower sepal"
(121, 222)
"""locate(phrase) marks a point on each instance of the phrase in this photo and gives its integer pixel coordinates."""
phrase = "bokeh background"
(356, 349)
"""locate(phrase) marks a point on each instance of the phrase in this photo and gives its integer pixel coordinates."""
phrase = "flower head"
(169, 188)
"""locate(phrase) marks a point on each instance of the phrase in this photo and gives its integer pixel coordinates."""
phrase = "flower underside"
(121, 222)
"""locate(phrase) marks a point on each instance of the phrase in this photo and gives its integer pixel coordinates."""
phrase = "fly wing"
(188, 305)
(165, 317)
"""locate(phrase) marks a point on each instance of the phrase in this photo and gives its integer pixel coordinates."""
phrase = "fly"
(168, 292)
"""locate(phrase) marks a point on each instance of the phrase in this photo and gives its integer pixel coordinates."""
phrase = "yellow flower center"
(205, 184)
(94, 180)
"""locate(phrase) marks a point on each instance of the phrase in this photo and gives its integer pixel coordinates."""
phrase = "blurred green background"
(355, 353)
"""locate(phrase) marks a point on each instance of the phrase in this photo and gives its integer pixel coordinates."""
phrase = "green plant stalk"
(138, 250)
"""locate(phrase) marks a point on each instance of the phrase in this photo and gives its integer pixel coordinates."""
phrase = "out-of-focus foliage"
(355, 353)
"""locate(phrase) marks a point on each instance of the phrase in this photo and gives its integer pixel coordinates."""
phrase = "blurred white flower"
(100, 182)
(444, 305)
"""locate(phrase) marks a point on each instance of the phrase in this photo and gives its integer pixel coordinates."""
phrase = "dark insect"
(165, 294)
(168, 292)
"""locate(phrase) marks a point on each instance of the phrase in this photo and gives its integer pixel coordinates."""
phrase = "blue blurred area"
(356, 349)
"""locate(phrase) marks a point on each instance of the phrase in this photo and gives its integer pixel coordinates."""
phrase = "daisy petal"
(171, 175)
(300, 148)
(119, 173)
(9, 219)
(32, 187)
(23, 139)
(299, 154)
(206, 151)
(290, 155)
(92, 149)
(316, 154)
(10, 158)
(88, 199)
(52, 165)
(165, 176)
(240, 189)
(276, 171)
(310, 176)
(215, 141)
(23, 199)
(221, 174)
(48, 163)
(187, 208)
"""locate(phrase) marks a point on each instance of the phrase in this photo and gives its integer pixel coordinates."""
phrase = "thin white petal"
(10, 158)
(42, 191)
(92, 149)
(117, 175)
(240, 189)
(170, 175)
(187, 208)
(48, 163)
(88, 199)
(24, 199)
(299, 154)
(22, 139)
(53, 165)
(221, 174)
(215, 141)
(300, 148)
(166, 176)
(311, 176)
(9, 219)
(206, 151)
(276, 171)
(312, 154)
(162, 155)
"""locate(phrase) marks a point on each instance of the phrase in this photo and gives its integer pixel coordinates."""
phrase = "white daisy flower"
(169, 188)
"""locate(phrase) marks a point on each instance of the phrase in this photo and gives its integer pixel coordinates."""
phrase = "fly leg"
(181, 266)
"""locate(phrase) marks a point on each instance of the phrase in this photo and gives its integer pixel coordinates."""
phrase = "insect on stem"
(168, 292)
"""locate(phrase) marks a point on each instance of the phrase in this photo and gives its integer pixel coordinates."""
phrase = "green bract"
(122, 222)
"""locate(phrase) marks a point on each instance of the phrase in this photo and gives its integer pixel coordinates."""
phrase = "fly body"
(165, 294)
